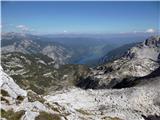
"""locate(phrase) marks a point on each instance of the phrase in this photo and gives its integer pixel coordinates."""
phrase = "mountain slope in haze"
(66, 49)
(61, 50)
(84, 48)
(116, 53)
(139, 61)
(90, 48)
(28, 44)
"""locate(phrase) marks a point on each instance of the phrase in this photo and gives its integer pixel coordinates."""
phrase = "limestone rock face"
(7, 84)
(16, 103)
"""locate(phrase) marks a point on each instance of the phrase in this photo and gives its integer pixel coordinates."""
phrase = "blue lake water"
(84, 60)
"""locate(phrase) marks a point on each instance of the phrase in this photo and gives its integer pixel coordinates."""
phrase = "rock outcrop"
(19, 104)
(139, 61)
(135, 103)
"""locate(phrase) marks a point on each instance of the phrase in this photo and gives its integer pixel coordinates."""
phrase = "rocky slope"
(37, 72)
(18, 104)
(139, 61)
(136, 103)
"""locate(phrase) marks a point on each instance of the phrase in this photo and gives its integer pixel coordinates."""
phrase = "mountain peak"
(149, 49)
(152, 41)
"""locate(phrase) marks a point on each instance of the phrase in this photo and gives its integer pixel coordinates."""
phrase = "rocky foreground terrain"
(17, 103)
(136, 103)
(136, 75)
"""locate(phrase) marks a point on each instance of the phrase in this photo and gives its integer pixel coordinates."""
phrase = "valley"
(124, 87)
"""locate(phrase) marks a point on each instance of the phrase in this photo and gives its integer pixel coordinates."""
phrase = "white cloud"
(150, 30)
(135, 31)
(22, 27)
(65, 31)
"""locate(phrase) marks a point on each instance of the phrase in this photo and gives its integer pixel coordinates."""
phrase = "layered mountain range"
(64, 49)
(30, 44)
(126, 88)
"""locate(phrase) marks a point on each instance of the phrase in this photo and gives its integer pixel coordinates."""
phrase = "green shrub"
(11, 115)
(84, 112)
(48, 116)
(36, 89)
(4, 93)
(52, 107)
(110, 118)
(34, 97)
(20, 98)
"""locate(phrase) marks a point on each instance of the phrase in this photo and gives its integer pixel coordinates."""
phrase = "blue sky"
(80, 17)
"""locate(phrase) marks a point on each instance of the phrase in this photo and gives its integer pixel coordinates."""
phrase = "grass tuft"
(48, 116)
(11, 115)
(4, 93)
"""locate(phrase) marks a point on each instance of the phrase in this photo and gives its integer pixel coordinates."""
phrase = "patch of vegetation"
(32, 97)
(18, 79)
(110, 118)
(4, 99)
(84, 112)
(20, 98)
(37, 89)
(48, 116)
(45, 82)
(11, 115)
(53, 108)
(4, 93)
(16, 68)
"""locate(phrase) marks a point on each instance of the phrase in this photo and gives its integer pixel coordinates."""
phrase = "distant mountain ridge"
(29, 44)
(65, 49)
